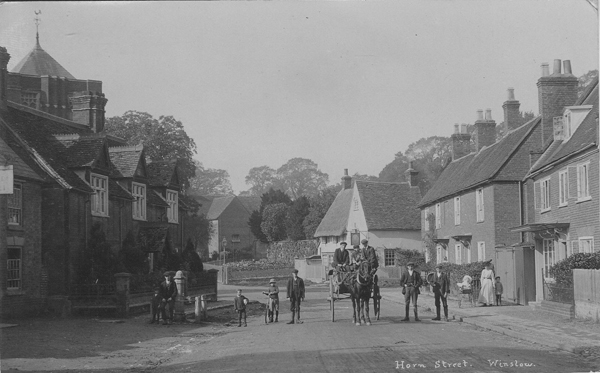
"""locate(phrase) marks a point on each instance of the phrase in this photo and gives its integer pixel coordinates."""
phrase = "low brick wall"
(260, 273)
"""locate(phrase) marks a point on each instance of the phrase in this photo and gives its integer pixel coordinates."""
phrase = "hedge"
(563, 270)
(287, 251)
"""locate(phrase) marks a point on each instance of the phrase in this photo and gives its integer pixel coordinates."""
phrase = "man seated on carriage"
(341, 263)
(367, 253)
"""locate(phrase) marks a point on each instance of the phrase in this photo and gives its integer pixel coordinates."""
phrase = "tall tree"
(365, 177)
(261, 179)
(210, 181)
(319, 205)
(163, 139)
(585, 80)
(273, 221)
(297, 212)
(394, 171)
(301, 177)
(270, 197)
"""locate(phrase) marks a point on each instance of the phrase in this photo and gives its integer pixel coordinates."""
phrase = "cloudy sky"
(345, 84)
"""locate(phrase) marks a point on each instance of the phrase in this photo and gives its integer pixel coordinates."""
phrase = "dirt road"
(317, 345)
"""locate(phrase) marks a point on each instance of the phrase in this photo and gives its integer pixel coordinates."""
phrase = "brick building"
(85, 178)
(561, 190)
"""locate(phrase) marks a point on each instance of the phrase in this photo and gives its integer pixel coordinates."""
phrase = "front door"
(505, 268)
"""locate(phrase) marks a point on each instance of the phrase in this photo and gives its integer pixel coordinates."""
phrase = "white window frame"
(441, 253)
(15, 205)
(235, 238)
(427, 258)
(14, 270)
(479, 205)
(545, 195)
(426, 225)
(438, 215)
(563, 188)
(458, 253)
(138, 191)
(583, 182)
(173, 210)
(549, 255)
(480, 251)
(586, 244)
(468, 253)
(456, 210)
(99, 184)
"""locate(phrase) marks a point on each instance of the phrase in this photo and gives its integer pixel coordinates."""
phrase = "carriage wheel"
(331, 300)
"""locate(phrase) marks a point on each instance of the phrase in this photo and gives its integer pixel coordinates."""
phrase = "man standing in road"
(441, 289)
(410, 283)
(295, 293)
(168, 292)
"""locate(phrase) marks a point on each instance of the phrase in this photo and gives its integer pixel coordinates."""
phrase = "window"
(100, 197)
(355, 204)
(586, 245)
(29, 99)
(172, 211)
(442, 253)
(479, 204)
(138, 191)
(583, 188)
(564, 250)
(481, 251)
(235, 238)
(549, 256)
(427, 258)
(545, 194)
(563, 188)
(389, 257)
(457, 211)
(568, 131)
(457, 254)
(438, 216)
(15, 205)
(13, 278)
(426, 216)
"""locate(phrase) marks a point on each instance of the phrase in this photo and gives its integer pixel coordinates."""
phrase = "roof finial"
(37, 27)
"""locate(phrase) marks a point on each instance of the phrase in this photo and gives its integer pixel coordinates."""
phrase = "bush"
(563, 270)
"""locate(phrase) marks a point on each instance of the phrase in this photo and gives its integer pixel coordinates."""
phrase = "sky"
(346, 84)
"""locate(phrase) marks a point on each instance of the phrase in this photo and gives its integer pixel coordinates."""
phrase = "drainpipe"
(121, 207)
(521, 210)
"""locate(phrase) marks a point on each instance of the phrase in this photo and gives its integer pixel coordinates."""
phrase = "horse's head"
(364, 275)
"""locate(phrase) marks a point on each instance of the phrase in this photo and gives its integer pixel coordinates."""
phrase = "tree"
(98, 263)
(298, 210)
(272, 196)
(210, 181)
(394, 171)
(319, 205)
(301, 177)
(200, 231)
(254, 224)
(163, 139)
(261, 180)
(273, 221)
(358, 176)
(585, 80)
(525, 117)
(191, 259)
(131, 255)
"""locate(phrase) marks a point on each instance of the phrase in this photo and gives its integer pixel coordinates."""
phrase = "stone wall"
(286, 251)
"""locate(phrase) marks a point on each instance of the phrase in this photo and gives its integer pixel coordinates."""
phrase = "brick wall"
(507, 213)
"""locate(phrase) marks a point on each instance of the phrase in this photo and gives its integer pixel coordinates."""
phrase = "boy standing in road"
(273, 293)
(499, 291)
(295, 293)
(239, 303)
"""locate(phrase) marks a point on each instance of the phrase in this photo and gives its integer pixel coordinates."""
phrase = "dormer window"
(138, 191)
(99, 184)
(172, 211)
(572, 118)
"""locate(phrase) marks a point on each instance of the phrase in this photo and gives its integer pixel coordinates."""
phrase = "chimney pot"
(567, 66)
(456, 128)
(345, 172)
(488, 114)
(556, 66)
(480, 114)
(545, 69)
(511, 94)
(463, 128)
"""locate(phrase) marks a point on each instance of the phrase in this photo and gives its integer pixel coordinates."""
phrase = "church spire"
(37, 28)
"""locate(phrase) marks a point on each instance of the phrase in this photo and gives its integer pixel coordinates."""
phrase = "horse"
(360, 284)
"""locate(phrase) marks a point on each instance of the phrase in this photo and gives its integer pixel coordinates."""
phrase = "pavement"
(517, 321)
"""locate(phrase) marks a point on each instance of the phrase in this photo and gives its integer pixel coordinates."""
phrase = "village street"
(317, 345)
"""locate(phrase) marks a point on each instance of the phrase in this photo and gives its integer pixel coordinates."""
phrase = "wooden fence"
(586, 284)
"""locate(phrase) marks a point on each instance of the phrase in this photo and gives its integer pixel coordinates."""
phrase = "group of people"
(342, 260)
(163, 301)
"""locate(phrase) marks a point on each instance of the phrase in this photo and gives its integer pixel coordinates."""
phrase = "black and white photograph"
(300, 186)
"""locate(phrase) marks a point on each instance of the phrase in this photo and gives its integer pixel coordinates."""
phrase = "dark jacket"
(168, 291)
(369, 255)
(414, 280)
(441, 283)
(238, 303)
(341, 257)
(290, 286)
(273, 292)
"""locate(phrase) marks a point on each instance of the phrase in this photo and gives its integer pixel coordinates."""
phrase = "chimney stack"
(411, 175)
(485, 130)
(4, 58)
(512, 115)
(88, 109)
(461, 142)
(554, 93)
(346, 180)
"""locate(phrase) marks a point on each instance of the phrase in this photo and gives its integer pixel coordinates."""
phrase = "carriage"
(357, 284)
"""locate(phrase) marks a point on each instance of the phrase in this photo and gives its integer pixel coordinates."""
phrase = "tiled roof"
(389, 205)
(115, 190)
(217, 207)
(476, 168)
(335, 220)
(250, 203)
(84, 151)
(154, 198)
(584, 137)
(187, 202)
(39, 62)
(20, 168)
(126, 158)
(160, 173)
